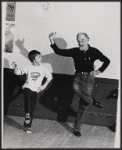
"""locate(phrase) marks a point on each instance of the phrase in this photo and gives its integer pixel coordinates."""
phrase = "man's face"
(82, 40)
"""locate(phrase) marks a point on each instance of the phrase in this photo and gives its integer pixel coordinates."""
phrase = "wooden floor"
(52, 134)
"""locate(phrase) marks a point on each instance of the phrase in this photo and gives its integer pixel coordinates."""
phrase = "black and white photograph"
(61, 74)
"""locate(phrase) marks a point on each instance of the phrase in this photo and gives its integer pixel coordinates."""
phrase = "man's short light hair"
(82, 33)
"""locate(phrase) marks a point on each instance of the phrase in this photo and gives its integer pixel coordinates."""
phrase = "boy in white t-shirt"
(35, 74)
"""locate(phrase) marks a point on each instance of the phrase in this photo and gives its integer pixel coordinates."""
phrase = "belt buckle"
(85, 73)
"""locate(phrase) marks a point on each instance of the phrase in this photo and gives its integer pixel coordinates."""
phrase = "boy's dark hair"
(32, 54)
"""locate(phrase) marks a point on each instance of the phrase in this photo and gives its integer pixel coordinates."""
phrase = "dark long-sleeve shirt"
(83, 60)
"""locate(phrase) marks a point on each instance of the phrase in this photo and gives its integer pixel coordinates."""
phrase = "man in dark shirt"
(84, 57)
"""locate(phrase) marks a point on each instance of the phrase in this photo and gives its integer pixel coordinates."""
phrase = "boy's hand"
(14, 65)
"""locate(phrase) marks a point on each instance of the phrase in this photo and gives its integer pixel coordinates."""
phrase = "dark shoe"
(77, 133)
(97, 104)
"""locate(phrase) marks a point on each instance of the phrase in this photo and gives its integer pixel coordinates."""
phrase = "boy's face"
(38, 59)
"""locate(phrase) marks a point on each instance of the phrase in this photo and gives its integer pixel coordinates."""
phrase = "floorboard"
(53, 134)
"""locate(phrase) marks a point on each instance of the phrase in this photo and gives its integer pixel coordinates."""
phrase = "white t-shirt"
(34, 76)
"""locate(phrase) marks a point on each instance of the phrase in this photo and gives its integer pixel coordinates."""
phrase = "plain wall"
(101, 20)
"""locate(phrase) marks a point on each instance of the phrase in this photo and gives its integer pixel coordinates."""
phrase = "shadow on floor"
(12, 122)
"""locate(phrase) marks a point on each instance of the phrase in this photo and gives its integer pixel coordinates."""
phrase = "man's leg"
(83, 87)
(89, 91)
(80, 117)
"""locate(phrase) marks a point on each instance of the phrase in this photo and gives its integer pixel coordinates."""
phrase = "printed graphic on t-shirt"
(35, 75)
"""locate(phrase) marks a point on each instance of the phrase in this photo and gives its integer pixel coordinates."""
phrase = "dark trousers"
(83, 85)
(30, 99)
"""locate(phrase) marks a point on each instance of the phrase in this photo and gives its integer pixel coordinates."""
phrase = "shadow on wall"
(58, 96)
(12, 87)
(20, 44)
(54, 62)
(61, 65)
